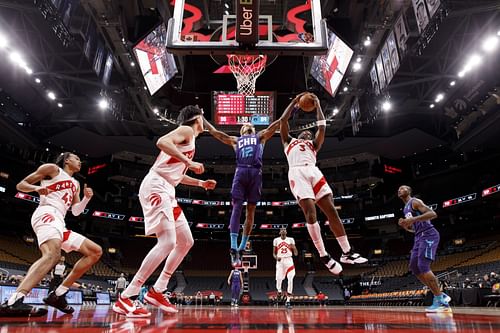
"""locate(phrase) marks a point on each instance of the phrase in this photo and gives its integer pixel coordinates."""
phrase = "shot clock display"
(232, 108)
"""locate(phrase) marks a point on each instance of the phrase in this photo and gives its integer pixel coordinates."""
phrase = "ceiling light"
(461, 74)
(452, 83)
(226, 12)
(439, 97)
(37, 80)
(490, 43)
(367, 41)
(356, 67)
(103, 104)
(156, 111)
(3, 41)
(335, 111)
(15, 57)
(345, 89)
(358, 59)
(59, 105)
(28, 70)
(386, 105)
(226, 5)
(473, 61)
(145, 88)
(51, 95)
(431, 106)
(132, 64)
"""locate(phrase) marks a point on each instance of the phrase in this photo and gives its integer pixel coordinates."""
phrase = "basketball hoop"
(246, 69)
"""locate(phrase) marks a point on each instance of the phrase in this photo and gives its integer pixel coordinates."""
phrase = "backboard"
(216, 27)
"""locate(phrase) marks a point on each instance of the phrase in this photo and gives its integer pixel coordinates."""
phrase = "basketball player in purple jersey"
(247, 181)
(417, 220)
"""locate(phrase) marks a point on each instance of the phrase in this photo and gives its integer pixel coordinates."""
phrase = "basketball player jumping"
(58, 192)
(247, 181)
(283, 249)
(309, 187)
(162, 215)
(418, 220)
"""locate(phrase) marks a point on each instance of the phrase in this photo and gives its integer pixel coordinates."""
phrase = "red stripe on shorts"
(66, 235)
(177, 212)
(319, 185)
(291, 268)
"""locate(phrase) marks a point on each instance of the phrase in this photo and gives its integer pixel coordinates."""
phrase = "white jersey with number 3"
(300, 153)
(283, 247)
(64, 188)
(171, 168)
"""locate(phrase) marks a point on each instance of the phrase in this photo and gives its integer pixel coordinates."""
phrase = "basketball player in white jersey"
(283, 250)
(309, 187)
(58, 192)
(163, 217)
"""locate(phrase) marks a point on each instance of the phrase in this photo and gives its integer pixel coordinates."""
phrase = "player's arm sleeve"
(79, 206)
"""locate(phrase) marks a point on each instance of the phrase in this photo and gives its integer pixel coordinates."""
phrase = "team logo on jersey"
(155, 199)
(47, 218)
(63, 185)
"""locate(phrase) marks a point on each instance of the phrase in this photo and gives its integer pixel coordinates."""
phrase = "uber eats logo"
(247, 21)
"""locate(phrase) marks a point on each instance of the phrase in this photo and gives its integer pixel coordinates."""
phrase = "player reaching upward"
(309, 187)
(418, 220)
(58, 192)
(162, 215)
(247, 181)
(283, 250)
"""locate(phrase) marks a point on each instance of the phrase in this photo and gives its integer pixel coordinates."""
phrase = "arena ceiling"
(57, 57)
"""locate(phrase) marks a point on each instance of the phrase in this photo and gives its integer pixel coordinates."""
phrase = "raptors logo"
(155, 199)
(47, 218)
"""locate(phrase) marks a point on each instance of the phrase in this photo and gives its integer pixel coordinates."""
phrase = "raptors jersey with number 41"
(283, 247)
(63, 188)
(171, 168)
(300, 152)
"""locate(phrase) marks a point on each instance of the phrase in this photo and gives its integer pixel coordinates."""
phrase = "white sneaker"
(333, 266)
(352, 258)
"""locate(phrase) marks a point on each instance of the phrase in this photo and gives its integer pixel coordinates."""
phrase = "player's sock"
(344, 243)
(315, 233)
(234, 240)
(243, 244)
(61, 290)
(15, 296)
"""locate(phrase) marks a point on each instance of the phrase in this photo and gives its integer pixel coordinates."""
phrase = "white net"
(246, 69)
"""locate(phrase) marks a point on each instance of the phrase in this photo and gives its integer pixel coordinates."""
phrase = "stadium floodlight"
(3, 42)
(386, 105)
(103, 104)
(431, 106)
(439, 97)
(51, 95)
(452, 83)
(490, 44)
(356, 67)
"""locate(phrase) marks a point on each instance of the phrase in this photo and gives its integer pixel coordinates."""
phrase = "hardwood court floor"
(262, 319)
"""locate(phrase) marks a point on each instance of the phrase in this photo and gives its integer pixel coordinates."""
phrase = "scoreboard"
(232, 108)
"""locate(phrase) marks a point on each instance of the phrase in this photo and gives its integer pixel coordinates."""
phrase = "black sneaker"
(20, 309)
(58, 302)
(288, 305)
(333, 266)
(235, 258)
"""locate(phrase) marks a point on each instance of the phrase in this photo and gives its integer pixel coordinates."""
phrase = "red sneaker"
(125, 306)
(160, 300)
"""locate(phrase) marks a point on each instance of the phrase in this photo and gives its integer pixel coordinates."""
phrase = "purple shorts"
(247, 184)
(424, 251)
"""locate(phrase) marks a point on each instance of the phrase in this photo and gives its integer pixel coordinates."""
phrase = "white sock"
(315, 233)
(344, 243)
(61, 290)
(15, 296)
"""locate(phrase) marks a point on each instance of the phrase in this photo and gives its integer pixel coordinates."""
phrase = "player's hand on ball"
(87, 192)
(196, 167)
(208, 184)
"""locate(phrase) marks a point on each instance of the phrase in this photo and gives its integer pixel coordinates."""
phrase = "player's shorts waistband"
(248, 166)
(301, 165)
(63, 215)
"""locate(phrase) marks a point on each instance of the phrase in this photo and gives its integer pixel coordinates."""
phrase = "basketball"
(306, 102)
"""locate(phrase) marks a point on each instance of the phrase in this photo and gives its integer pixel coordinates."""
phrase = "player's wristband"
(321, 123)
